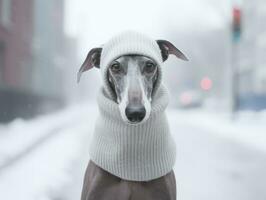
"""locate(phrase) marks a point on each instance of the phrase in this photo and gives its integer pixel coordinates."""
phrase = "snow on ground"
(47, 168)
(213, 165)
(217, 158)
(19, 135)
(247, 127)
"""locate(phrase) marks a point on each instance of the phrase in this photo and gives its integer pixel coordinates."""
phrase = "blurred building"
(16, 31)
(36, 57)
(252, 59)
(48, 45)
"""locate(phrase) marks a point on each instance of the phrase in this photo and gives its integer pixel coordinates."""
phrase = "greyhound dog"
(132, 79)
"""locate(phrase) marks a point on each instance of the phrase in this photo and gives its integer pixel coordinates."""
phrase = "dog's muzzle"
(135, 114)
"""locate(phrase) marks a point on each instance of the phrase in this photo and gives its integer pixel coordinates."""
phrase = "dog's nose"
(135, 114)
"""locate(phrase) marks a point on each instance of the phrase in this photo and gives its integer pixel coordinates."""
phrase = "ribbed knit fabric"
(127, 43)
(138, 152)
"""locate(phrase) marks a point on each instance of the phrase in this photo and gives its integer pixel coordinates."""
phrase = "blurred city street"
(217, 109)
(210, 163)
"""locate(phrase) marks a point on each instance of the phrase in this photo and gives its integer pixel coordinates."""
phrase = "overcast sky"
(94, 22)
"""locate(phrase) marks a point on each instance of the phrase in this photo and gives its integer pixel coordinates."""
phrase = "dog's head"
(132, 78)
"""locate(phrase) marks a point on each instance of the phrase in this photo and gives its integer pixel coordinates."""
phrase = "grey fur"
(99, 184)
(132, 66)
(134, 80)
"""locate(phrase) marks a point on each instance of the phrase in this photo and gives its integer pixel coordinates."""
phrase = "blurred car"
(190, 99)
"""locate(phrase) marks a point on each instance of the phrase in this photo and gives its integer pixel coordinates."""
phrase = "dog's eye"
(149, 67)
(116, 67)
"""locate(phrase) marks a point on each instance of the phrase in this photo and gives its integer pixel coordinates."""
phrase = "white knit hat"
(126, 43)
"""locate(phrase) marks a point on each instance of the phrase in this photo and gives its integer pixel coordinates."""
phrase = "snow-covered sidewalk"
(21, 136)
(245, 127)
(44, 166)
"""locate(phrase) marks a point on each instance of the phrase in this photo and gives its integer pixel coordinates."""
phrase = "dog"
(132, 79)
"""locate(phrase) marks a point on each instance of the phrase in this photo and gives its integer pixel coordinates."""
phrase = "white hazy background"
(95, 21)
(221, 154)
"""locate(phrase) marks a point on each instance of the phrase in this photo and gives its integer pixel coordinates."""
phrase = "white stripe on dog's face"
(132, 77)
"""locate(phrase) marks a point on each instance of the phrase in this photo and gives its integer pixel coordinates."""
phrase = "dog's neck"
(138, 152)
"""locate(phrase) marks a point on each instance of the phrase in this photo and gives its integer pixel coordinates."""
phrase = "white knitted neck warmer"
(138, 152)
(133, 152)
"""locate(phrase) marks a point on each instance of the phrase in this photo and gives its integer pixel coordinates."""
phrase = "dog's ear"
(92, 60)
(168, 48)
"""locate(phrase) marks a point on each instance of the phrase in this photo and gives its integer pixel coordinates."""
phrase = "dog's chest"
(101, 185)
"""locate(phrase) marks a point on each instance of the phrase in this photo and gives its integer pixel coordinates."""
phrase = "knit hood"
(140, 152)
(127, 43)
(136, 152)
